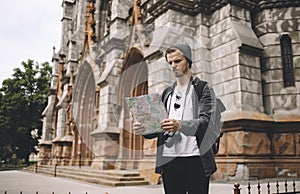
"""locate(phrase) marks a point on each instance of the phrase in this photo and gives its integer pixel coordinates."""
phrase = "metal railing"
(237, 188)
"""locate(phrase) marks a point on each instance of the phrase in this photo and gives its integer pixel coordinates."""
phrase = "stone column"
(62, 141)
(45, 143)
(106, 135)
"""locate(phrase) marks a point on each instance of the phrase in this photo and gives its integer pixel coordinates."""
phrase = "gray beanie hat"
(185, 49)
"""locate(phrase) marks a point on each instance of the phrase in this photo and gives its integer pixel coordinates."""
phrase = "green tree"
(23, 98)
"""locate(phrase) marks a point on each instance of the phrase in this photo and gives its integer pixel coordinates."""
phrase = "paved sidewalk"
(15, 181)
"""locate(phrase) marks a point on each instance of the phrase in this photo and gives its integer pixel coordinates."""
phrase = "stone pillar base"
(57, 153)
(103, 164)
(61, 152)
(65, 162)
(258, 148)
(237, 169)
(74, 161)
(127, 164)
(66, 153)
(147, 169)
(106, 149)
(45, 154)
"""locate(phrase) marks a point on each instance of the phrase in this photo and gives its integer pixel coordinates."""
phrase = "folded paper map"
(147, 110)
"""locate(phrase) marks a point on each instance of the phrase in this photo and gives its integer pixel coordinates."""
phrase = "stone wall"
(235, 73)
(252, 149)
(235, 47)
(270, 25)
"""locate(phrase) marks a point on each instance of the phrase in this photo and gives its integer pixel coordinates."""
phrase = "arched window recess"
(287, 61)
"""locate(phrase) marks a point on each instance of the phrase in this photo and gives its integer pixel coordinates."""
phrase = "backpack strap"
(165, 95)
(199, 86)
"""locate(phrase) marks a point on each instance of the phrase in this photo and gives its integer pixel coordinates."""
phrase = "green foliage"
(22, 100)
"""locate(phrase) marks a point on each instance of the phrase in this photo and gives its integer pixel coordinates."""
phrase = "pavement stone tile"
(29, 183)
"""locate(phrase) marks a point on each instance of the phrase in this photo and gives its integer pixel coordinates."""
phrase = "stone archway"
(84, 113)
(133, 82)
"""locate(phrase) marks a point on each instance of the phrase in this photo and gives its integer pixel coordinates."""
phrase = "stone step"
(108, 174)
(123, 173)
(103, 177)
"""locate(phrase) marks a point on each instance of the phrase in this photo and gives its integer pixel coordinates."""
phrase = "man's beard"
(179, 73)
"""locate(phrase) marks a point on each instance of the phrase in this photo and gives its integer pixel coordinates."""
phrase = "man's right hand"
(138, 128)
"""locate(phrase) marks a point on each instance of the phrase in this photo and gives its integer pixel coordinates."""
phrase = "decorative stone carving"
(225, 170)
(45, 154)
(283, 144)
(249, 143)
(297, 140)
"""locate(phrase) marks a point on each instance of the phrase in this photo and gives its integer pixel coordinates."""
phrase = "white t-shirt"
(188, 144)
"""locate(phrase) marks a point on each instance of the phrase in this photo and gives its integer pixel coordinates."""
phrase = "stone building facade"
(248, 50)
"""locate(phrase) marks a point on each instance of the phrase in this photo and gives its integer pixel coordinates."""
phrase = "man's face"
(178, 63)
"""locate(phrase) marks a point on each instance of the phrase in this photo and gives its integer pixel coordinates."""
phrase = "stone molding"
(256, 125)
(113, 44)
(108, 130)
(265, 4)
(208, 6)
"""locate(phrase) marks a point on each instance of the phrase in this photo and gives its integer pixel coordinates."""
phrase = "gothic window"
(287, 61)
(104, 19)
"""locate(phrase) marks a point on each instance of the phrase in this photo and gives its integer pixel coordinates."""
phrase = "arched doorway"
(133, 82)
(84, 113)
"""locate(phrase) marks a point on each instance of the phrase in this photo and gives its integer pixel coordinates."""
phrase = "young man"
(185, 166)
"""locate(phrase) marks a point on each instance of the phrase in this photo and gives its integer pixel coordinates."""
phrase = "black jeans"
(185, 175)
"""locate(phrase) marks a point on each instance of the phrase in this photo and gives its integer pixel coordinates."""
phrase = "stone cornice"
(188, 7)
(247, 4)
(250, 50)
(266, 4)
(161, 6)
(260, 122)
(258, 5)
(112, 44)
(209, 6)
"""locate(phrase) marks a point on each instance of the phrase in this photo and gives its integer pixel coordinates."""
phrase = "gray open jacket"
(202, 112)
